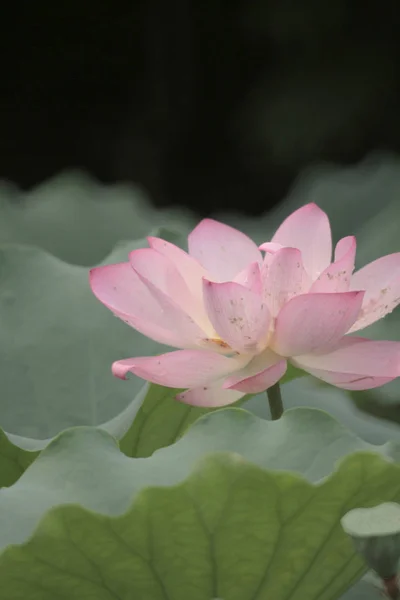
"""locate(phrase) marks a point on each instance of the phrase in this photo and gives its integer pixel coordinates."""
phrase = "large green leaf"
(160, 421)
(57, 344)
(153, 420)
(17, 452)
(239, 508)
(78, 219)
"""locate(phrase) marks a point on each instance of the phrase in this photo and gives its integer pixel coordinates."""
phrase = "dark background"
(212, 104)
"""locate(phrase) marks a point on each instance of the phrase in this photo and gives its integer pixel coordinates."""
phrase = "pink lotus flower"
(238, 317)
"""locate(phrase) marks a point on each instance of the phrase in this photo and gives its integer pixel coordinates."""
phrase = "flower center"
(218, 344)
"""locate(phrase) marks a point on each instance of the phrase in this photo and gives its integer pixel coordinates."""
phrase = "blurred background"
(211, 104)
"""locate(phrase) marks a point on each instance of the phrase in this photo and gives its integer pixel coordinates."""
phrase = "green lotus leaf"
(238, 508)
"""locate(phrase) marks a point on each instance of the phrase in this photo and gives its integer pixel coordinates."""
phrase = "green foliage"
(237, 508)
(56, 371)
(160, 421)
(79, 220)
(13, 460)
